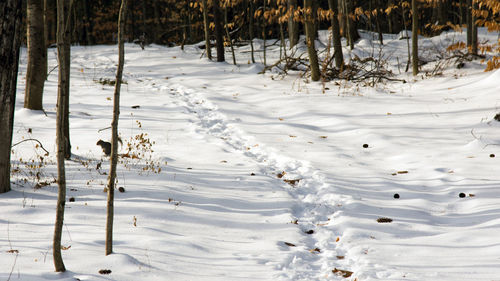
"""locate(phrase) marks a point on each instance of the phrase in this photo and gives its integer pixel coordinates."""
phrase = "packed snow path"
(221, 208)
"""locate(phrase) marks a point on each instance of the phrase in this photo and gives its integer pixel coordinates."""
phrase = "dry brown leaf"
(292, 182)
(342, 272)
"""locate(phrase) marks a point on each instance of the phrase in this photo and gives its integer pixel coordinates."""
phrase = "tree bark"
(337, 43)
(114, 129)
(414, 37)
(208, 48)
(293, 25)
(378, 20)
(226, 27)
(311, 49)
(10, 28)
(37, 56)
(264, 32)
(250, 29)
(218, 31)
(469, 24)
(65, 70)
(474, 30)
(62, 96)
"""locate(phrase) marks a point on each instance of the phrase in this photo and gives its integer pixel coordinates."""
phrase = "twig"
(32, 140)
(100, 130)
(13, 265)
(51, 71)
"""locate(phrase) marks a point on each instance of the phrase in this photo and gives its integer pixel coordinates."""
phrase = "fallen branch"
(41, 146)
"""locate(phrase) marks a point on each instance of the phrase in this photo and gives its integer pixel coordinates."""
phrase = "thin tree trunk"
(337, 43)
(157, 26)
(63, 13)
(218, 31)
(250, 29)
(67, 69)
(379, 21)
(293, 25)
(264, 31)
(474, 31)
(10, 28)
(229, 35)
(282, 37)
(185, 23)
(208, 48)
(114, 129)
(37, 56)
(469, 24)
(311, 49)
(414, 37)
(406, 38)
(461, 12)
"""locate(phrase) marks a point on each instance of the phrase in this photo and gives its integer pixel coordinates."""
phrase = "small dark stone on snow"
(72, 199)
(492, 155)
(252, 174)
(396, 196)
(310, 231)
(365, 145)
(105, 271)
(121, 189)
(461, 195)
(497, 117)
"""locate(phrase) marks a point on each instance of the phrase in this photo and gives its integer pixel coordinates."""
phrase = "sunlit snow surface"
(219, 211)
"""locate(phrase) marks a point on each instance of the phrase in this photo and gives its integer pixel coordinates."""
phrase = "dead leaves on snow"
(291, 182)
(342, 272)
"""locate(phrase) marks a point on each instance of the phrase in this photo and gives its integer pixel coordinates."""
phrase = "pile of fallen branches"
(370, 71)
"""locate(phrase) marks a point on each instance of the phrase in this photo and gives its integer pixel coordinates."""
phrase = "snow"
(223, 134)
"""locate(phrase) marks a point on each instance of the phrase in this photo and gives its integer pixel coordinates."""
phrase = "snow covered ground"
(263, 177)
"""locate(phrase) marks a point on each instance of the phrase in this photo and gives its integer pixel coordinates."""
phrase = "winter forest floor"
(244, 176)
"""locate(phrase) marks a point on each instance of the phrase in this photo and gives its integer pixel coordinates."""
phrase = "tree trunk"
(250, 29)
(311, 49)
(469, 24)
(353, 34)
(414, 37)
(229, 35)
(114, 129)
(10, 28)
(474, 31)
(379, 21)
(157, 25)
(337, 43)
(461, 11)
(264, 31)
(208, 48)
(37, 56)
(218, 31)
(293, 25)
(63, 13)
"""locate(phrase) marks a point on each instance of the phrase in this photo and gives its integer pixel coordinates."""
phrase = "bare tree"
(63, 55)
(337, 43)
(293, 25)
(414, 36)
(311, 49)
(37, 56)
(218, 31)
(114, 129)
(208, 48)
(250, 28)
(10, 32)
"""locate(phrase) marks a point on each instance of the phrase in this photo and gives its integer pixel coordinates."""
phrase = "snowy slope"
(223, 135)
